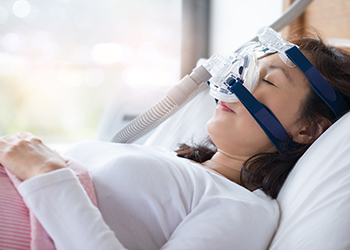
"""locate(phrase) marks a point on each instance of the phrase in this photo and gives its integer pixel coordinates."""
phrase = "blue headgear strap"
(326, 92)
(264, 117)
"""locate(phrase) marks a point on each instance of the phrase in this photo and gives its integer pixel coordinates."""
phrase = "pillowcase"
(315, 199)
(187, 125)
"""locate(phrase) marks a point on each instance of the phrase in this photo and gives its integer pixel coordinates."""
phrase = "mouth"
(224, 107)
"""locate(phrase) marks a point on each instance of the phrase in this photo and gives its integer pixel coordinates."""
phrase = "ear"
(310, 132)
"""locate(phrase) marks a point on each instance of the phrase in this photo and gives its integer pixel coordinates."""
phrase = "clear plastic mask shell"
(286, 60)
(244, 66)
(275, 43)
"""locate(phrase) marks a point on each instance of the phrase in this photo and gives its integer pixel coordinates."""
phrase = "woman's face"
(282, 89)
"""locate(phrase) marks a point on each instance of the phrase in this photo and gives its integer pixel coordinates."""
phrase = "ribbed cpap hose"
(176, 97)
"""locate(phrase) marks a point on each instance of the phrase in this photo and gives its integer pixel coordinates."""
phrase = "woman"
(151, 199)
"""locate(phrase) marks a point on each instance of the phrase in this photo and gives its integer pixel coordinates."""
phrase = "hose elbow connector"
(180, 92)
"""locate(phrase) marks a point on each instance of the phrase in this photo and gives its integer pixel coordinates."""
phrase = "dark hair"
(268, 171)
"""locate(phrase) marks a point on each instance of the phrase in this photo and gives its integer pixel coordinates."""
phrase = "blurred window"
(62, 61)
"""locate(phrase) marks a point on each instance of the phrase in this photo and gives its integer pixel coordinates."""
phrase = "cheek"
(286, 108)
(238, 133)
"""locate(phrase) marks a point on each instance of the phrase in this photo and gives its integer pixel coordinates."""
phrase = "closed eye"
(268, 82)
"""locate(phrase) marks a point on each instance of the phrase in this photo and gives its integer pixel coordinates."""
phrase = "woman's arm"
(55, 195)
(67, 214)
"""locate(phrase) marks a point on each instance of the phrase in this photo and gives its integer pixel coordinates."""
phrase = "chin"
(210, 126)
(219, 126)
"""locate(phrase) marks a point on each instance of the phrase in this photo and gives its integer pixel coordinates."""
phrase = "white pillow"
(315, 200)
(187, 125)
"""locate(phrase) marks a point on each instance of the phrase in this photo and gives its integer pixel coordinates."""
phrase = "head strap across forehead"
(324, 90)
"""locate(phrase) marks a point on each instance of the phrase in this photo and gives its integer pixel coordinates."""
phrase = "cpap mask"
(242, 64)
(234, 79)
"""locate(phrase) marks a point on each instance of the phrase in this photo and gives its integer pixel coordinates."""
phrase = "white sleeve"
(63, 208)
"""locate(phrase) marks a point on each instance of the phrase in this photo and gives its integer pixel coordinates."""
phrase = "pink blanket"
(19, 228)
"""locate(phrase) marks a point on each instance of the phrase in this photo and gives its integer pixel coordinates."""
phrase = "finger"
(8, 140)
(6, 144)
(28, 137)
(24, 135)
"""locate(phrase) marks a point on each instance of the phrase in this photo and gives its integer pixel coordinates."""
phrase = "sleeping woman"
(219, 196)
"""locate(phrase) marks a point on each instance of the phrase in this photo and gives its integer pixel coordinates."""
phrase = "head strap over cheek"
(264, 117)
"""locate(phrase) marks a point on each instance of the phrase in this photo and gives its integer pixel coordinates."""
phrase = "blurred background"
(81, 69)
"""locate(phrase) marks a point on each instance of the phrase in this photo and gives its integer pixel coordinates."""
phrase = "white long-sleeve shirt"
(148, 199)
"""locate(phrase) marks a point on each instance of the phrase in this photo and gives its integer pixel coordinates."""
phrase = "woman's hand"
(26, 156)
